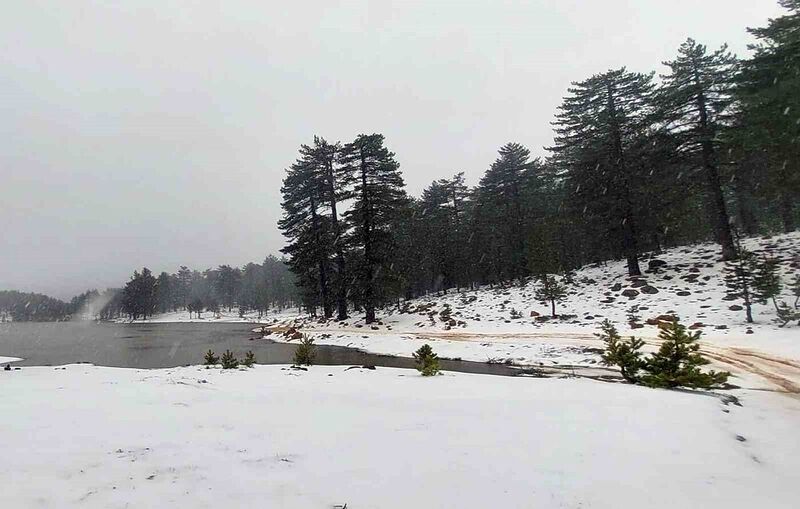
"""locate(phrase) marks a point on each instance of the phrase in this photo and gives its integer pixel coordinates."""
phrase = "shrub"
(249, 359)
(211, 359)
(677, 363)
(305, 352)
(229, 361)
(624, 354)
(426, 361)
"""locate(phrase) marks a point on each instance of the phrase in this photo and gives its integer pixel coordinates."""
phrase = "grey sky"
(156, 132)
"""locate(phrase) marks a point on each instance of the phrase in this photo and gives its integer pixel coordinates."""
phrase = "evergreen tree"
(768, 99)
(677, 362)
(624, 354)
(767, 282)
(164, 293)
(599, 129)
(308, 230)
(426, 361)
(550, 290)
(377, 194)
(325, 155)
(500, 210)
(739, 278)
(694, 103)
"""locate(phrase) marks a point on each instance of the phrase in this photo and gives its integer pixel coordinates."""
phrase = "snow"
(6, 360)
(769, 357)
(94, 437)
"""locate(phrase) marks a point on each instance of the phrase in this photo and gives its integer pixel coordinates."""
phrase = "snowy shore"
(86, 436)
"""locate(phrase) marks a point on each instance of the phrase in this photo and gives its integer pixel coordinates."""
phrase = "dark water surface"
(166, 345)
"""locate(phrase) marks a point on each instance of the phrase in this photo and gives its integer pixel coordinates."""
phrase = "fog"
(157, 132)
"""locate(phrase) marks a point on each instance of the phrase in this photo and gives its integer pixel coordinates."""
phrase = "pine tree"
(325, 155)
(210, 358)
(377, 194)
(308, 230)
(249, 359)
(677, 362)
(768, 99)
(306, 352)
(426, 361)
(550, 290)
(598, 129)
(501, 213)
(694, 103)
(739, 274)
(624, 354)
(767, 281)
(228, 360)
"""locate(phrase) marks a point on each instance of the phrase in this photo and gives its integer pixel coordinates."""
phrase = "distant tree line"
(638, 164)
(254, 287)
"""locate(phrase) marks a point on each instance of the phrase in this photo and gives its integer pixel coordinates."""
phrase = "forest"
(705, 150)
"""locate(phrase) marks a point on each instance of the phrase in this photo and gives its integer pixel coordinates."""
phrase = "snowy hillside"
(508, 324)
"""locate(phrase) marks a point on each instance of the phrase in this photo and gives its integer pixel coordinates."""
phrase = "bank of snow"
(507, 323)
(85, 436)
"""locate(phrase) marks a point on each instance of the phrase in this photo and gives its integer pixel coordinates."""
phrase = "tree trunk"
(553, 307)
(720, 219)
(787, 216)
(321, 262)
(369, 270)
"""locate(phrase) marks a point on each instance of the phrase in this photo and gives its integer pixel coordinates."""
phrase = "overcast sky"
(156, 133)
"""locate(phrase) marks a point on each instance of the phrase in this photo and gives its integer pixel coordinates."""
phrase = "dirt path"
(781, 374)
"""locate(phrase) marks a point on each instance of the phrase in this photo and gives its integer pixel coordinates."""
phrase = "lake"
(165, 345)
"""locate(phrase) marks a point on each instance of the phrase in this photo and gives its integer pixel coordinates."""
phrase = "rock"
(749, 331)
(650, 290)
(635, 325)
(654, 264)
(666, 318)
(534, 314)
(735, 307)
(630, 293)
(721, 327)
(296, 335)
(8, 367)
(730, 297)
(697, 325)
(683, 293)
(637, 283)
(617, 287)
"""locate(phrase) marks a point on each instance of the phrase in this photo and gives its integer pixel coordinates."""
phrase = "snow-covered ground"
(6, 360)
(85, 436)
(508, 324)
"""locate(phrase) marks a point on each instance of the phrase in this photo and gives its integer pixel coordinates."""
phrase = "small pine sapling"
(677, 362)
(621, 353)
(305, 353)
(426, 361)
(211, 359)
(767, 282)
(787, 314)
(739, 275)
(249, 359)
(794, 286)
(229, 361)
(550, 291)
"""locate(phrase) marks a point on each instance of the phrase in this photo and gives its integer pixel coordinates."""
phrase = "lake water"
(167, 345)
